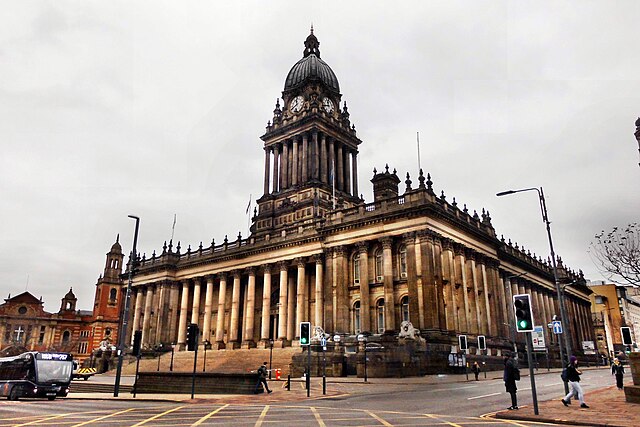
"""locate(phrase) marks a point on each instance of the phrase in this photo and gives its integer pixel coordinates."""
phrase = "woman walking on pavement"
(573, 377)
(618, 370)
(511, 375)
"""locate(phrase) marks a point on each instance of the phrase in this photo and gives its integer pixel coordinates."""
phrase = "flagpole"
(173, 227)
(418, 141)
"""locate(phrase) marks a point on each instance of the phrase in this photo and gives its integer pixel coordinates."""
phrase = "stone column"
(365, 295)
(174, 312)
(235, 311)
(342, 293)
(182, 326)
(305, 158)
(412, 278)
(319, 290)
(332, 161)
(267, 167)
(487, 307)
(282, 306)
(284, 168)
(220, 323)
(291, 308)
(462, 303)
(300, 314)
(509, 296)
(161, 321)
(276, 169)
(472, 291)
(328, 287)
(146, 320)
(195, 310)
(347, 171)
(248, 341)
(316, 155)
(137, 313)
(323, 159)
(266, 304)
(354, 159)
(208, 310)
(502, 300)
(449, 288)
(387, 268)
(296, 163)
(340, 168)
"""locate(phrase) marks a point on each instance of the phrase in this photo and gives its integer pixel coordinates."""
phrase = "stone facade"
(318, 252)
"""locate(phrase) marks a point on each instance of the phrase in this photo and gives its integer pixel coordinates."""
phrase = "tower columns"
(305, 158)
(316, 156)
(354, 172)
(340, 166)
(267, 159)
(347, 171)
(323, 159)
(284, 167)
(276, 173)
(294, 169)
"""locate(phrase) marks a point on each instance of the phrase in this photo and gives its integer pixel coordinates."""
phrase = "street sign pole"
(308, 370)
(531, 374)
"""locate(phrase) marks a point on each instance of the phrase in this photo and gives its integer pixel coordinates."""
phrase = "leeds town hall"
(319, 252)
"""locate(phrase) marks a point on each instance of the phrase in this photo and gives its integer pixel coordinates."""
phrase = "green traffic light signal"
(305, 333)
(524, 315)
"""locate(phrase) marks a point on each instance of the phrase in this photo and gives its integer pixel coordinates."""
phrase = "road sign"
(323, 341)
(537, 337)
(557, 327)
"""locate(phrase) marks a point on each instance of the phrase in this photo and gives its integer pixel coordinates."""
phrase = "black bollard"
(289, 382)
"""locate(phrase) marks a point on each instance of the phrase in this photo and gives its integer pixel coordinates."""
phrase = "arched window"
(113, 293)
(402, 261)
(66, 336)
(379, 266)
(356, 268)
(404, 306)
(356, 317)
(380, 314)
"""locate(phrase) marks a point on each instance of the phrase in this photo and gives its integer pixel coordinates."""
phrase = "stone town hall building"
(318, 252)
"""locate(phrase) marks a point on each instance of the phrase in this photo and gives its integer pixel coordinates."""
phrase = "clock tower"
(311, 150)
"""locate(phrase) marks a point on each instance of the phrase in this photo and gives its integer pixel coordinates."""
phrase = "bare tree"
(617, 253)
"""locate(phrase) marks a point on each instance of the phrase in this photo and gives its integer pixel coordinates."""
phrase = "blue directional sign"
(557, 327)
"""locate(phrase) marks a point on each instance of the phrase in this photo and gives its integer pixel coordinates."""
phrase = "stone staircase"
(222, 361)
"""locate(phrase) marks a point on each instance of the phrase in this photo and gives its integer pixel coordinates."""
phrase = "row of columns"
(311, 156)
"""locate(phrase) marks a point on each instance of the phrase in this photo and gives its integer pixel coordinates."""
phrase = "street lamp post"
(127, 302)
(563, 314)
(207, 346)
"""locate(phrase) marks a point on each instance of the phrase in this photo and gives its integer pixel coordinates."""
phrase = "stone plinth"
(632, 393)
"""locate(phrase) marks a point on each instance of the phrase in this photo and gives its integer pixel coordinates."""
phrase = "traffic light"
(482, 342)
(192, 336)
(305, 333)
(626, 335)
(137, 340)
(462, 342)
(524, 316)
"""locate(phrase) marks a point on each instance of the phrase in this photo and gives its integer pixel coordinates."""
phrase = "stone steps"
(222, 361)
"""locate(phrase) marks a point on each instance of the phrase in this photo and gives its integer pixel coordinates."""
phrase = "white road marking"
(484, 395)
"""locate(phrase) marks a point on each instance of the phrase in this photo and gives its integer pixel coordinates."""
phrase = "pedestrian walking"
(573, 377)
(511, 375)
(618, 370)
(262, 378)
(475, 369)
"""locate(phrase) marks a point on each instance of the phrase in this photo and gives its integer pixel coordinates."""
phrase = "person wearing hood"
(511, 375)
(573, 377)
(618, 370)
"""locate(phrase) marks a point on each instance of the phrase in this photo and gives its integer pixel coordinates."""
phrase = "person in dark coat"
(511, 375)
(262, 378)
(618, 370)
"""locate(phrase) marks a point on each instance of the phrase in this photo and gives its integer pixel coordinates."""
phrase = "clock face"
(296, 104)
(327, 104)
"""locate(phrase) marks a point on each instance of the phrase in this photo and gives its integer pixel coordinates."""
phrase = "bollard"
(324, 385)
(289, 382)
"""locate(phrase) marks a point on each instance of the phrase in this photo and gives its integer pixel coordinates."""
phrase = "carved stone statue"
(407, 330)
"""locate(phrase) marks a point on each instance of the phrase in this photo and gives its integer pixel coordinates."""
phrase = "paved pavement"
(607, 405)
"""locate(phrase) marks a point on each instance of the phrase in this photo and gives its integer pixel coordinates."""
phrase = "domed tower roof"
(311, 68)
(116, 246)
(70, 294)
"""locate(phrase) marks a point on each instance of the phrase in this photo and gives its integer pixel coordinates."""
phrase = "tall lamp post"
(270, 356)
(125, 315)
(563, 314)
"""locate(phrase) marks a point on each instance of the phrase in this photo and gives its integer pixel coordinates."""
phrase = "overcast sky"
(155, 108)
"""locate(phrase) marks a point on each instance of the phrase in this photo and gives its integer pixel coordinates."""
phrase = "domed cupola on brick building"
(311, 149)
